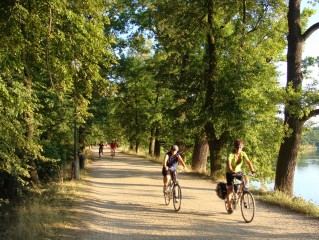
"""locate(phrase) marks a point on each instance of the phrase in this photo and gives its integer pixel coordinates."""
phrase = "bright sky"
(312, 47)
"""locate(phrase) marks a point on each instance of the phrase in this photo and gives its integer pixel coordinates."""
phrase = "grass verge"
(295, 204)
(36, 215)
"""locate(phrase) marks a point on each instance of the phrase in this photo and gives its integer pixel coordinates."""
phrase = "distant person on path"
(170, 164)
(233, 168)
(113, 147)
(101, 146)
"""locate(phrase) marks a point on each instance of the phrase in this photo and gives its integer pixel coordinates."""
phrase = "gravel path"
(122, 199)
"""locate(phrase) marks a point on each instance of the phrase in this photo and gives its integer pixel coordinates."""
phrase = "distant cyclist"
(170, 164)
(101, 146)
(113, 147)
(233, 168)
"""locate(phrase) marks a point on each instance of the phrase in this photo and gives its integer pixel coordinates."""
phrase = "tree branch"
(312, 113)
(310, 31)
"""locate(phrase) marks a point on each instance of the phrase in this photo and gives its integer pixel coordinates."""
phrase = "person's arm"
(250, 165)
(228, 164)
(181, 161)
(165, 161)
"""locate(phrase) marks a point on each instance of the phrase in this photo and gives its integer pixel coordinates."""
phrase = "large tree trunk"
(29, 119)
(214, 143)
(157, 152)
(152, 142)
(137, 146)
(82, 136)
(289, 149)
(287, 157)
(215, 147)
(29, 115)
(200, 153)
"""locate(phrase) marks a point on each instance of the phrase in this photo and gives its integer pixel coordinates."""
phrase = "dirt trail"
(123, 200)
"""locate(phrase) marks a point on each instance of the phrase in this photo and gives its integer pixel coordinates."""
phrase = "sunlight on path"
(123, 200)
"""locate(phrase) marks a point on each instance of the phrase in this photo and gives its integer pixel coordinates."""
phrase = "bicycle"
(100, 151)
(112, 152)
(174, 192)
(242, 195)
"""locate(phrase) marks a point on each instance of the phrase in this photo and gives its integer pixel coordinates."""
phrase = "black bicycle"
(242, 195)
(174, 192)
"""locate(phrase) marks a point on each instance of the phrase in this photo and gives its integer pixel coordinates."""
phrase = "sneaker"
(230, 210)
(164, 189)
(176, 200)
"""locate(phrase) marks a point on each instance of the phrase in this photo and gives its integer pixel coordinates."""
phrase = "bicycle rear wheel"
(177, 197)
(247, 206)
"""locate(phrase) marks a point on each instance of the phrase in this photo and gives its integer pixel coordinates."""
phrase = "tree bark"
(152, 142)
(290, 147)
(287, 157)
(157, 150)
(214, 143)
(29, 115)
(200, 153)
(82, 137)
(137, 146)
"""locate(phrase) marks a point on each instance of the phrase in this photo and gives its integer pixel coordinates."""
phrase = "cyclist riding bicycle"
(233, 168)
(113, 146)
(170, 164)
(101, 146)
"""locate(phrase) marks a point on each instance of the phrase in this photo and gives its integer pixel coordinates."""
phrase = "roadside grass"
(42, 212)
(295, 204)
(33, 216)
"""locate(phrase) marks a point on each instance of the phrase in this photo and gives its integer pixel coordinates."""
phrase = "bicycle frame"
(242, 195)
(174, 192)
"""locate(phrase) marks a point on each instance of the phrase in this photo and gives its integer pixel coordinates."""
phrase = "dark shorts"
(230, 178)
(168, 172)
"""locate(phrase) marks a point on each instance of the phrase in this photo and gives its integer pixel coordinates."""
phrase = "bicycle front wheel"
(167, 198)
(177, 197)
(248, 206)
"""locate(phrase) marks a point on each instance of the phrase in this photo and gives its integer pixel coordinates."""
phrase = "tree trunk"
(214, 143)
(200, 153)
(137, 146)
(29, 115)
(157, 151)
(29, 119)
(215, 147)
(152, 142)
(289, 149)
(82, 136)
(287, 157)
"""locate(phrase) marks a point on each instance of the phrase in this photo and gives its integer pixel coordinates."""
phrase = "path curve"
(122, 199)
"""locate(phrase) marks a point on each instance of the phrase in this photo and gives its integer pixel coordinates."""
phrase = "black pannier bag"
(221, 190)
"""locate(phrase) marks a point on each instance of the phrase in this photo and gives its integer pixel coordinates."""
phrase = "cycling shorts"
(230, 178)
(168, 172)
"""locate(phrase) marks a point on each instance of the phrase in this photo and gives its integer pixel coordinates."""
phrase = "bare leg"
(166, 181)
(229, 191)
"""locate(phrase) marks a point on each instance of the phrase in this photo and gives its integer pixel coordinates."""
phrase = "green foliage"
(40, 41)
(311, 137)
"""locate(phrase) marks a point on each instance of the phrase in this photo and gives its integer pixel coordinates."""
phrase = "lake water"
(306, 177)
